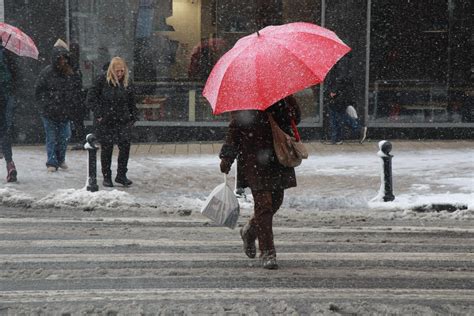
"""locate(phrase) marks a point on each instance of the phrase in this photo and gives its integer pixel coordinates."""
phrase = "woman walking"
(249, 140)
(112, 100)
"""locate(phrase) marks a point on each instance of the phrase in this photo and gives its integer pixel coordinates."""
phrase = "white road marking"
(162, 256)
(183, 294)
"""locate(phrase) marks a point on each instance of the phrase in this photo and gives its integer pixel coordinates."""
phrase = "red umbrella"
(275, 62)
(18, 42)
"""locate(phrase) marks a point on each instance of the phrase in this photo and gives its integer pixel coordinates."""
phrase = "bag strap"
(272, 121)
(295, 130)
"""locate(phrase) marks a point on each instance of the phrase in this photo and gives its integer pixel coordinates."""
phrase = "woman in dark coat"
(113, 101)
(249, 140)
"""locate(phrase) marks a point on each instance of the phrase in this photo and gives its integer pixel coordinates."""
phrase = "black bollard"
(92, 165)
(384, 152)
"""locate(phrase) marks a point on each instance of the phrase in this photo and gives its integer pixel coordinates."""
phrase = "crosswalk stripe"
(184, 294)
(5, 227)
(313, 256)
(120, 220)
(95, 243)
(67, 274)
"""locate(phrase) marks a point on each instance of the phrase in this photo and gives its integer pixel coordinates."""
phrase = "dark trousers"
(7, 104)
(108, 136)
(266, 204)
(337, 121)
(78, 130)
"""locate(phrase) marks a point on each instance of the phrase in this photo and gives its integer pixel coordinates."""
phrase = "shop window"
(172, 45)
(348, 20)
(416, 70)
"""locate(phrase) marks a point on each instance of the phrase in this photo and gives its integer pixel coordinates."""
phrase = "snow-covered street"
(147, 250)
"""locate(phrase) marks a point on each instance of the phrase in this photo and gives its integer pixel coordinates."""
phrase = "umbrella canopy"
(17, 42)
(275, 62)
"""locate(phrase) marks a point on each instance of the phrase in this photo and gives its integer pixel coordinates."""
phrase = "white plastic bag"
(351, 111)
(222, 206)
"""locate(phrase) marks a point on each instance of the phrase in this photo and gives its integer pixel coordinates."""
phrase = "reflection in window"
(413, 55)
(154, 51)
(172, 45)
(146, 11)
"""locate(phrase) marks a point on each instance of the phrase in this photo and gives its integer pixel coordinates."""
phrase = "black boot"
(269, 260)
(107, 182)
(249, 236)
(123, 180)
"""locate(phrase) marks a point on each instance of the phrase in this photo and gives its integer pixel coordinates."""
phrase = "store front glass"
(421, 59)
(172, 45)
(348, 19)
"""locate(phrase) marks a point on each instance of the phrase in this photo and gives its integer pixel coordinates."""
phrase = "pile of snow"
(325, 182)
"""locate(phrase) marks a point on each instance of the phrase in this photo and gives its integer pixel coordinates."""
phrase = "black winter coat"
(10, 63)
(114, 105)
(250, 140)
(58, 94)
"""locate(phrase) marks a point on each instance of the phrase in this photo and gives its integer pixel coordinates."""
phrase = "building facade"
(412, 61)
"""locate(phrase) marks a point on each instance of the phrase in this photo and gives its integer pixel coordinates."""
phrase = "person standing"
(249, 139)
(57, 91)
(340, 93)
(112, 99)
(8, 80)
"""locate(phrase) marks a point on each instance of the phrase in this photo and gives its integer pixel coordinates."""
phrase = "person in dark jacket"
(249, 140)
(57, 91)
(8, 81)
(112, 100)
(339, 94)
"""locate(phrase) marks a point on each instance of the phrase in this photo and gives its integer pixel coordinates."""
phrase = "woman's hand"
(225, 165)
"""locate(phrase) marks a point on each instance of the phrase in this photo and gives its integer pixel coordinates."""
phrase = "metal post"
(367, 64)
(2, 11)
(92, 165)
(192, 105)
(67, 21)
(386, 188)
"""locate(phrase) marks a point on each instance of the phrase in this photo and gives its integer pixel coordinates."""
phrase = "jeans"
(57, 138)
(337, 120)
(7, 106)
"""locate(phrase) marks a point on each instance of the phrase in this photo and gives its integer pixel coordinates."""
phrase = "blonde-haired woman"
(112, 100)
